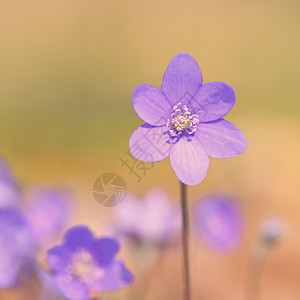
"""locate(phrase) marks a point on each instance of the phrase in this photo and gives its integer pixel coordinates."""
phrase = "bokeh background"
(68, 69)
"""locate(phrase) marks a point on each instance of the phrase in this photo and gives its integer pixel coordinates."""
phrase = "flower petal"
(15, 234)
(189, 160)
(57, 258)
(182, 79)
(213, 101)
(116, 277)
(71, 288)
(16, 247)
(221, 139)
(126, 216)
(218, 221)
(10, 195)
(104, 250)
(10, 266)
(47, 213)
(151, 104)
(150, 143)
(159, 211)
(78, 237)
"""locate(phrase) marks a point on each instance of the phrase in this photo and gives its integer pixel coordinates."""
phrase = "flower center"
(182, 121)
(84, 267)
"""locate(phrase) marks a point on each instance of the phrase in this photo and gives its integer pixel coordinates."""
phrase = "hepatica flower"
(83, 265)
(25, 228)
(16, 247)
(184, 120)
(218, 222)
(47, 213)
(153, 219)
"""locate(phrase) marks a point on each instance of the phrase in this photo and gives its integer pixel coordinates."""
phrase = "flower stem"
(256, 266)
(185, 243)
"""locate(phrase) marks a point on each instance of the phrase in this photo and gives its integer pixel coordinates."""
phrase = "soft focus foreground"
(68, 70)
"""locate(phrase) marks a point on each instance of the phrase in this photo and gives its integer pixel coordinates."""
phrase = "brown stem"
(256, 266)
(185, 243)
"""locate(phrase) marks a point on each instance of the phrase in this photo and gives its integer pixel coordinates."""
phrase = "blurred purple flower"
(271, 230)
(16, 247)
(9, 189)
(48, 211)
(218, 221)
(83, 265)
(25, 229)
(184, 121)
(154, 219)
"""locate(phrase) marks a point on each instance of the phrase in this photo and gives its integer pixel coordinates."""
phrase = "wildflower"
(47, 213)
(24, 229)
(83, 265)
(157, 218)
(16, 247)
(218, 222)
(184, 121)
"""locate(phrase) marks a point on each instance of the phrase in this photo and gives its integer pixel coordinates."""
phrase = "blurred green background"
(67, 72)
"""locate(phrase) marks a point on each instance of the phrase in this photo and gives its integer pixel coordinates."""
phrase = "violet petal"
(182, 79)
(221, 139)
(213, 101)
(151, 104)
(189, 160)
(150, 143)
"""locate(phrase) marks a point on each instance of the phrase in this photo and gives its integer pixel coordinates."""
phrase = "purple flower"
(184, 121)
(47, 213)
(23, 231)
(16, 247)
(83, 265)
(154, 219)
(218, 221)
(25, 228)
